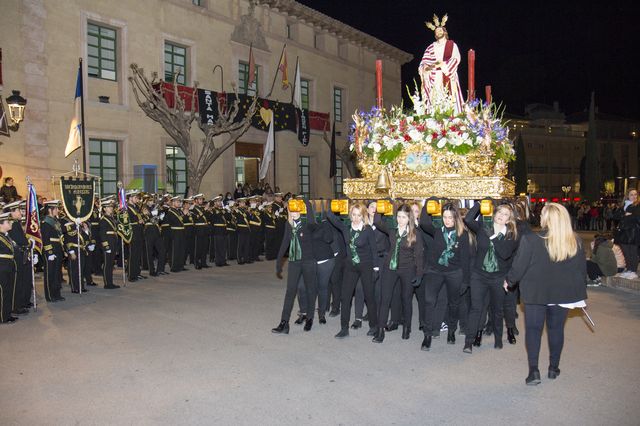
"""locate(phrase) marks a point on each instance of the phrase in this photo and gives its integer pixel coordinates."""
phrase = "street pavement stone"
(196, 348)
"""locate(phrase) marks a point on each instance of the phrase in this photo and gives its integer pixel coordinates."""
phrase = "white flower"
(441, 143)
(415, 135)
(376, 147)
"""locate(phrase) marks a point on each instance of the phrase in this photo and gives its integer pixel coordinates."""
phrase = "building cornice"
(340, 29)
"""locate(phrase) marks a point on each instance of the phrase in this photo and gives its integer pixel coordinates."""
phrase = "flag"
(252, 68)
(268, 150)
(4, 125)
(282, 67)
(122, 199)
(75, 131)
(297, 91)
(32, 228)
(332, 156)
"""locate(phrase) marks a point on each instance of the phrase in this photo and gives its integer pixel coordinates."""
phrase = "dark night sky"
(528, 51)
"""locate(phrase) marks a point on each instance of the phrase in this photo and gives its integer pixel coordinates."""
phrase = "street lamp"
(566, 190)
(16, 105)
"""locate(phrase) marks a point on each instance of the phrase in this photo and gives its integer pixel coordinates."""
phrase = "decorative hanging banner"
(285, 115)
(77, 197)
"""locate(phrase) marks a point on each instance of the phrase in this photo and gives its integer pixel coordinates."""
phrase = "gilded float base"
(451, 187)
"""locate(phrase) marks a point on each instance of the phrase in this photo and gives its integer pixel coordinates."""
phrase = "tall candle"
(471, 58)
(487, 92)
(379, 82)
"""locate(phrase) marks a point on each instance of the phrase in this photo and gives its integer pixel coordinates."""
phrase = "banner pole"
(124, 272)
(79, 259)
(33, 280)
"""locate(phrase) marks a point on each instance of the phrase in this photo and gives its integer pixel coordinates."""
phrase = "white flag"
(75, 131)
(297, 95)
(268, 150)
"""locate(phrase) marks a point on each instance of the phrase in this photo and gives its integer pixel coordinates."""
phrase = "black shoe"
(372, 331)
(356, 324)
(379, 337)
(553, 372)
(133, 280)
(198, 267)
(515, 330)
(406, 332)
(510, 336)
(92, 284)
(154, 274)
(498, 344)
(365, 317)
(468, 347)
(84, 290)
(301, 318)
(478, 340)
(451, 337)
(533, 378)
(322, 320)
(308, 324)
(282, 328)
(12, 319)
(391, 325)
(426, 343)
(344, 332)
(75, 291)
(60, 299)
(111, 287)
(21, 311)
(334, 313)
(142, 277)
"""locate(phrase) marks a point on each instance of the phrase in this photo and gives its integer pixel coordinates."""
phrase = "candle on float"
(379, 82)
(487, 92)
(471, 58)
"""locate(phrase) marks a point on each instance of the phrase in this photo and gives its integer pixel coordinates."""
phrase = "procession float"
(440, 147)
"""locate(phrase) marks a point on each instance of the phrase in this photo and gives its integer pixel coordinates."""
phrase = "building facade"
(42, 41)
(555, 147)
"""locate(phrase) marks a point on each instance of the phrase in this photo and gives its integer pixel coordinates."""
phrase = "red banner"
(186, 93)
(319, 121)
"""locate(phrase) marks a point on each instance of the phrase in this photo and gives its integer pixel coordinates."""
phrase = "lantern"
(434, 208)
(340, 206)
(16, 105)
(486, 207)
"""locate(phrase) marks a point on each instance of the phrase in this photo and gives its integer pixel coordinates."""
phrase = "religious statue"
(439, 66)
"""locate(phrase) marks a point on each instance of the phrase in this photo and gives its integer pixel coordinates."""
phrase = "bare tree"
(177, 121)
(344, 154)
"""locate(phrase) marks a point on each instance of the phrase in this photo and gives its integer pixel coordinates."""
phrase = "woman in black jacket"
(495, 248)
(361, 261)
(448, 265)
(403, 263)
(551, 269)
(324, 255)
(298, 239)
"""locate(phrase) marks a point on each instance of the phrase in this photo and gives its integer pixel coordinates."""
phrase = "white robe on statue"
(445, 75)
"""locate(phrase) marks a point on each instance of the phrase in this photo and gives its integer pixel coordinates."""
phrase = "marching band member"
(255, 224)
(96, 254)
(7, 270)
(244, 232)
(448, 265)
(89, 248)
(402, 265)
(176, 223)
(109, 242)
(232, 234)
(137, 237)
(202, 232)
(76, 254)
(22, 256)
(269, 218)
(362, 261)
(219, 224)
(52, 251)
(156, 254)
(495, 249)
(189, 231)
(302, 264)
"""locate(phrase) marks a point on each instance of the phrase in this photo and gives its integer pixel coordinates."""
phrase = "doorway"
(247, 162)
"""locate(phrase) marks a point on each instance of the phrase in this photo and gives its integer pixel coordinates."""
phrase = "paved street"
(196, 348)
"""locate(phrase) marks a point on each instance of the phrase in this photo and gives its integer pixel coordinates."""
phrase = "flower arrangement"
(386, 134)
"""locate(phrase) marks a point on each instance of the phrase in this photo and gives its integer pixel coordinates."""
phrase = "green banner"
(77, 197)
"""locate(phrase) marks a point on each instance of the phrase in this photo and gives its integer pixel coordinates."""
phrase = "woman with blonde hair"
(551, 269)
(495, 248)
(361, 262)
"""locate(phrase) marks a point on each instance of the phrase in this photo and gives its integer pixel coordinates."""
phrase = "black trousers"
(244, 247)
(52, 286)
(76, 267)
(155, 251)
(534, 319)
(480, 287)
(96, 260)
(324, 272)
(359, 295)
(220, 249)
(335, 283)
(135, 252)
(435, 280)
(270, 250)
(177, 250)
(256, 244)
(189, 245)
(630, 252)
(364, 272)
(24, 286)
(202, 245)
(7, 284)
(107, 268)
(232, 250)
(593, 270)
(87, 267)
(400, 278)
(305, 270)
